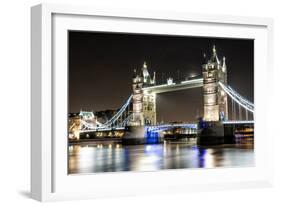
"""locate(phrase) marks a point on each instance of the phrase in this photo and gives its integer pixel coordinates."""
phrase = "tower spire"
(135, 73)
(205, 60)
(223, 64)
(214, 50)
(145, 73)
(214, 57)
(144, 65)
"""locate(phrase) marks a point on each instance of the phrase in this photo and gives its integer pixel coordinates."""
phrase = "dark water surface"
(112, 157)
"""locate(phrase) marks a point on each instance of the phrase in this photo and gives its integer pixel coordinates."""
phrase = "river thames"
(86, 158)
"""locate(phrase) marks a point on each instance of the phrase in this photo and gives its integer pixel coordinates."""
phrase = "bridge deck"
(239, 122)
(194, 83)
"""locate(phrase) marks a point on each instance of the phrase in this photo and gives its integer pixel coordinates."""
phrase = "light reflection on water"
(110, 157)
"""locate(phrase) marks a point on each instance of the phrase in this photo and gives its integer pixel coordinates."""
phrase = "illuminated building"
(215, 99)
(74, 125)
(144, 104)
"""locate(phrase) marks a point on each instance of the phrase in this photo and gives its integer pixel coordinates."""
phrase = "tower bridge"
(140, 108)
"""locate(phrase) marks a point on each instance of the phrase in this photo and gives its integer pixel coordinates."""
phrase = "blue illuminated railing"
(164, 127)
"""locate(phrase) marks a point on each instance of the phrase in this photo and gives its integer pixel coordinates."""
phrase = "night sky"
(101, 67)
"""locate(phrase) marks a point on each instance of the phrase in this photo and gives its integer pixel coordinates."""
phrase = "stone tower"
(214, 98)
(144, 104)
(149, 99)
(137, 119)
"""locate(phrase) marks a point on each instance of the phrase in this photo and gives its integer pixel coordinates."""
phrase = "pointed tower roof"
(135, 73)
(145, 73)
(144, 65)
(214, 58)
(205, 60)
(224, 64)
(154, 78)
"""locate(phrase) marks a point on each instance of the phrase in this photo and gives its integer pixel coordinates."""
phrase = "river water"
(112, 157)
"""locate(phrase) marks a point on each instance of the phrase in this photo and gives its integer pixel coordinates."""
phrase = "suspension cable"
(237, 98)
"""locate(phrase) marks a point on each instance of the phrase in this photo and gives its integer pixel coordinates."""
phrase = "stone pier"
(210, 133)
(134, 135)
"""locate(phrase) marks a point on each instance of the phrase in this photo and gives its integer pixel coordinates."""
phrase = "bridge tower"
(214, 98)
(144, 104)
(137, 119)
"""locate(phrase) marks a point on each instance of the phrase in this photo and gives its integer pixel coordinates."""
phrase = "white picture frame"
(49, 179)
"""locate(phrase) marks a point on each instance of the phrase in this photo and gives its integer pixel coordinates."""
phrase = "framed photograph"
(138, 102)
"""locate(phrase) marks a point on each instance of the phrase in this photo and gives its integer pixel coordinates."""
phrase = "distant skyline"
(101, 67)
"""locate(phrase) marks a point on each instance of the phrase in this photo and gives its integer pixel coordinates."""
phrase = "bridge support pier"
(229, 134)
(134, 135)
(215, 133)
(210, 133)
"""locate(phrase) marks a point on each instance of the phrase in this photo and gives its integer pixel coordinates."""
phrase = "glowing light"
(164, 127)
(239, 122)
(193, 81)
(192, 75)
(148, 148)
(209, 159)
(77, 134)
(119, 113)
(186, 82)
(120, 125)
(237, 98)
(170, 81)
(109, 123)
(235, 94)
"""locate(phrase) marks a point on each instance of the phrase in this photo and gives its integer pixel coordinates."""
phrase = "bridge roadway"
(162, 127)
(168, 126)
(148, 128)
(239, 122)
(188, 84)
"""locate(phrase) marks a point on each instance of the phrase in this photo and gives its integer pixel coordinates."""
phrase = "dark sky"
(101, 67)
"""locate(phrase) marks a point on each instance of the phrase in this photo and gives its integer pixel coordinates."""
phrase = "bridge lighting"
(116, 123)
(77, 134)
(198, 81)
(239, 122)
(192, 75)
(193, 81)
(170, 81)
(237, 98)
